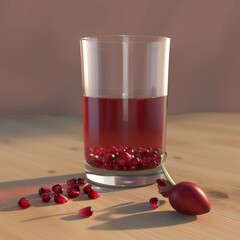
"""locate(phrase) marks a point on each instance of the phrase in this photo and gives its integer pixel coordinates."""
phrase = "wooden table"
(40, 151)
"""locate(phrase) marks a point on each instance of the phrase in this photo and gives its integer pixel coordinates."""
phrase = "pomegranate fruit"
(185, 197)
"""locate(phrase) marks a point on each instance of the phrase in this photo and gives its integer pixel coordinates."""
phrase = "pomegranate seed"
(158, 160)
(157, 150)
(105, 159)
(145, 153)
(107, 166)
(46, 197)
(57, 188)
(134, 162)
(44, 190)
(116, 167)
(81, 181)
(75, 188)
(152, 164)
(129, 150)
(124, 168)
(24, 203)
(108, 151)
(88, 151)
(115, 150)
(72, 193)
(97, 151)
(127, 156)
(60, 199)
(86, 212)
(72, 181)
(132, 168)
(98, 164)
(154, 202)
(87, 188)
(121, 162)
(144, 164)
(92, 159)
(93, 194)
(140, 149)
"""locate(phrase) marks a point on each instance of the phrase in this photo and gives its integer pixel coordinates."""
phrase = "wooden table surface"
(39, 151)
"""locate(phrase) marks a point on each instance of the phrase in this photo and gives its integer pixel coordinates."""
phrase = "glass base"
(123, 178)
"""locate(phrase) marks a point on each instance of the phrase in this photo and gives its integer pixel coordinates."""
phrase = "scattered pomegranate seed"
(81, 181)
(57, 188)
(87, 188)
(154, 202)
(93, 194)
(46, 197)
(72, 193)
(72, 181)
(60, 199)
(73, 188)
(44, 190)
(24, 203)
(86, 212)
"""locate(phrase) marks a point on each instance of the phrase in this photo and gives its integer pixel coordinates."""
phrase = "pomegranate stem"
(164, 169)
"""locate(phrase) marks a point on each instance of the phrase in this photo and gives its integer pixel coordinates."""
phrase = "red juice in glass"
(124, 134)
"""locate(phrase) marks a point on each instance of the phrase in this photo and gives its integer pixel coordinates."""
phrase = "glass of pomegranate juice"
(125, 81)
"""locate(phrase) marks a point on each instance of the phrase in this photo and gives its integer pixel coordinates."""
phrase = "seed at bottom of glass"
(86, 212)
(24, 203)
(154, 202)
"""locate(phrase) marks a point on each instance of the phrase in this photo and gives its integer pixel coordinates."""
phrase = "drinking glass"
(125, 82)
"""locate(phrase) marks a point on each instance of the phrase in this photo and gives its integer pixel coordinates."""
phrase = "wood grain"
(40, 151)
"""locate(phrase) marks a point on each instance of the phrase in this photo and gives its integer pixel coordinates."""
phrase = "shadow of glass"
(136, 216)
(153, 219)
(127, 208)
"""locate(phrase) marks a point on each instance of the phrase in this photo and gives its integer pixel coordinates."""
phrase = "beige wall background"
(39, 50)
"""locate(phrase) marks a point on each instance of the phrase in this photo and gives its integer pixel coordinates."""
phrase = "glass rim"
(120, 38)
